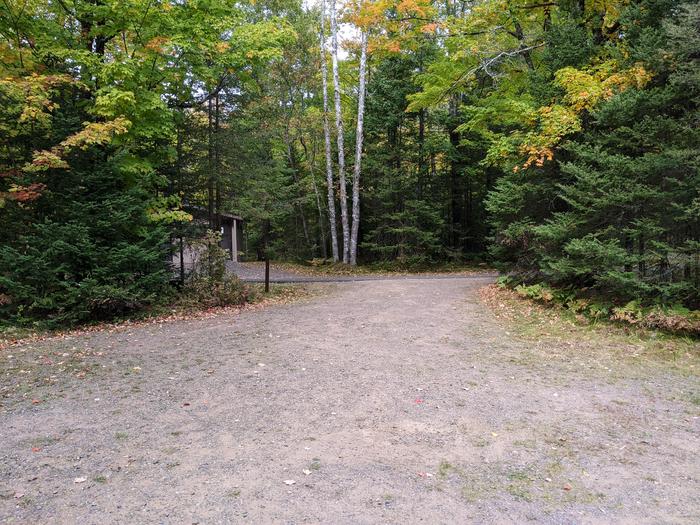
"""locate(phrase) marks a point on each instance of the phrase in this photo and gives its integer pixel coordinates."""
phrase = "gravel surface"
(398, 401)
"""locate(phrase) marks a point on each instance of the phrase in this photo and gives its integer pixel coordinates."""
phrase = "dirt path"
(399, 401)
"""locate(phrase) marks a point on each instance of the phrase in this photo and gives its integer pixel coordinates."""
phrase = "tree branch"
(485, 65)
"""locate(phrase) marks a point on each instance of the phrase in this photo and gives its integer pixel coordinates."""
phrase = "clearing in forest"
(392, 401)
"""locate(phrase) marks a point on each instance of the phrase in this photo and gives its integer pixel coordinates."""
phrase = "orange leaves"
(393, 46)
(584, 89)
(536, 156)
(21, 194)
(552, 124)
(416, 8)
(393, 24)
(157, 44)
(25, 193)
(93, 134)
(222, 47)
(14, 172)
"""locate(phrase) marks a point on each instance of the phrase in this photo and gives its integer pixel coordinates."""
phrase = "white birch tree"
(327, 135)
(340, 137)
(358, 150)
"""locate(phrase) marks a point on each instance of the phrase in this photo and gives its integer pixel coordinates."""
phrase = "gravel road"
(393, 401)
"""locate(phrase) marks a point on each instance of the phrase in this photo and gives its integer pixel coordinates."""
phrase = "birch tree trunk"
(311, 159)
(327, 134)
(340, 138)
(358, 152)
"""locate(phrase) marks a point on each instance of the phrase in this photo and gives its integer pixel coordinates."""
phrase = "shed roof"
(201, 212)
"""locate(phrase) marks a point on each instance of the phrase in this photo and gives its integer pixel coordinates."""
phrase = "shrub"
(210, 284)
(89, 252)
(674, 318)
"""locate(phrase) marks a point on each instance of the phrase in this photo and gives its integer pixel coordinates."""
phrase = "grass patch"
(444, 469)
(520, 484)
(41, 442)
(25, 502)
(315, 464)
(576, 337)
(674, 319)
(325, 268)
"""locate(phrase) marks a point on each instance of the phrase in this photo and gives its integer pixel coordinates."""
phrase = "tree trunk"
(210, 165)
(358, 153)
(294, 166)
(521, 37)
(454, 186)
(327, 135)
(312, 172)
(178, 173)
(217, 164)
(421, 154)
(340, 137)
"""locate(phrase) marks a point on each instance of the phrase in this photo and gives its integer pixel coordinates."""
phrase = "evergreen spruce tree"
(91, 252)
(631, 225)
(402, 198)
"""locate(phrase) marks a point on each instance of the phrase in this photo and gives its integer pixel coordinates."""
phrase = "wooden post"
(267, 256)
(234, 240)
(182, 261)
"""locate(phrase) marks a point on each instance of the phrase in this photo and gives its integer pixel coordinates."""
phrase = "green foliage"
(210, 284)
(93, 95)
(94, 253)
(674, 318)
(617, 213)
(401, 201)
(632, 181)
(538, 292)
(561, 138)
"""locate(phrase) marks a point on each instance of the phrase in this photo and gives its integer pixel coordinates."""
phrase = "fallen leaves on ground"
(279, 294)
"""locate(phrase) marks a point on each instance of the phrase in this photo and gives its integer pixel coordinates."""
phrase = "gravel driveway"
(393, 401)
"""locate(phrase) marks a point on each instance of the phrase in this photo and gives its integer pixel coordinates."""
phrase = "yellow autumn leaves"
(584, 89)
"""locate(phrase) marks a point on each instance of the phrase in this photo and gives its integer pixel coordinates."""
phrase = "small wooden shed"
(231, 234)
(185, 254)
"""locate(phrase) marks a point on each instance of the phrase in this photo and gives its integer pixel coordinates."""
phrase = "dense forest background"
(559, 141)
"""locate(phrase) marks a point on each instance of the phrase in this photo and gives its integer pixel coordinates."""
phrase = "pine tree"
(630, 227)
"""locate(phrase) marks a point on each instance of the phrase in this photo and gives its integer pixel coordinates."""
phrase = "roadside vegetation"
(555, 141)
(549, 324)
(326, 267)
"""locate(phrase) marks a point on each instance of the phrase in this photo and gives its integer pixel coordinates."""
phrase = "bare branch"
(487, 64)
